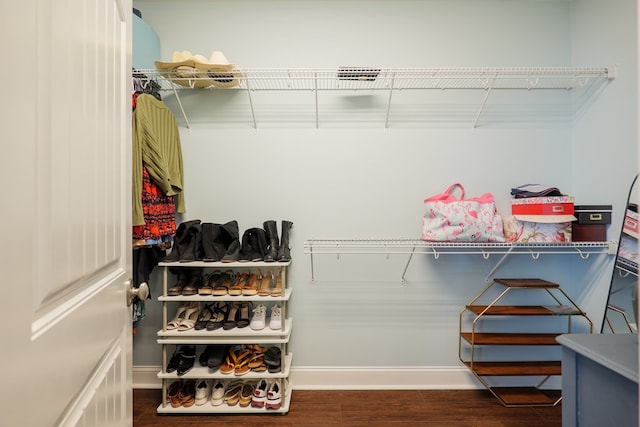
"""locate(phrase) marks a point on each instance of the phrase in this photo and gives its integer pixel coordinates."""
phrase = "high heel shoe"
(236, 288)
(232, 314)
(277, 289)
(189, 319)
(220, 312)
(179, 316)
(250, 286)
(243, 318)
(264, 290)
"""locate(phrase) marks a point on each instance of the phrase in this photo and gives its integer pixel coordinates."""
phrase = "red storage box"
(543, 209)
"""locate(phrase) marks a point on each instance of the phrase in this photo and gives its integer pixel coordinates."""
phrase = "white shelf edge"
(209, 298)
(203, 372)
(232, 336)
(225, 265)
(207, 408)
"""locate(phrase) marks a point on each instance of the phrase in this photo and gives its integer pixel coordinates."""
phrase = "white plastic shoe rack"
(390, 80)
(201, 338)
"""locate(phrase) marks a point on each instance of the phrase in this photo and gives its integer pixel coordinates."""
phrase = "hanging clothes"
(156, 146)
(159, 213)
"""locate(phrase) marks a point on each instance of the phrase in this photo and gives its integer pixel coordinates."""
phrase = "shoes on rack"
(259, 398)
(204, 356)
(179, 316)
(259, 318)
(266, 283)
(208, 283)
(243, 318)
(173, 393)
(242, 362)
(190, 317)
(250, 287)
(256, 364)
(174, 360)
(180, 241)
(203, 391)
(191, 243)
(246, 394)
(271, 228)
(276, 291)
(274, 396)
(187, 394)
(230, 238)
(193, 285)
(284, 252)
(232, 393)
(232, 316)
(237, 283)
(218, 392)
(182, 280)
(204, 316)
(275, 319)
(216, 356)
(273, 359)
(223, 283)
(187, 359)
(220, 311)
(229, 364)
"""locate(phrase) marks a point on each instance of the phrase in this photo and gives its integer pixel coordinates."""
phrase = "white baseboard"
(354, 378)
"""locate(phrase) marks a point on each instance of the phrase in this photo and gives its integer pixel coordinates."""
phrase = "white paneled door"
(65, 111)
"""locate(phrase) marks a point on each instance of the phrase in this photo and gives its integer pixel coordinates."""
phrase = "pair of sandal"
(238, 315)
(212, 316)
(270, 285)
(185, 317)
(241, 359)
(240, 393)
(182, 393)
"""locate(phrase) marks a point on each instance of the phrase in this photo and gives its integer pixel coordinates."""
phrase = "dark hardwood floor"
(389, 408)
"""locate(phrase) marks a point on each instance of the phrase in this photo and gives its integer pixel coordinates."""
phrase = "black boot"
(180, 241)
(210, 232)
(246, 248)
(230, 238)
(259, 244)
(271, 228)
(189, 253)
(284, 252)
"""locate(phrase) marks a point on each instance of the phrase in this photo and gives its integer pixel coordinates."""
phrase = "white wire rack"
(371, 78)
(435, 249)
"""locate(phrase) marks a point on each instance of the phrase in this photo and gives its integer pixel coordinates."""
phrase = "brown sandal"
(236, 286)
(250, 286)
(277, 290)
(222, 285)
(242, 363)
(264, 290)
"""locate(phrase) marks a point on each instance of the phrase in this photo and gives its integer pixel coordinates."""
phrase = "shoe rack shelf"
(412, 247)
(389, 80)
(168, 338)
(486, 323)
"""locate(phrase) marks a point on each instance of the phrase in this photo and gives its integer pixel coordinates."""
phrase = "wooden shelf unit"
(471, 340)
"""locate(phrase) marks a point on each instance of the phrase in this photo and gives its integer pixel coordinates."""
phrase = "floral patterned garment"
(159, 215)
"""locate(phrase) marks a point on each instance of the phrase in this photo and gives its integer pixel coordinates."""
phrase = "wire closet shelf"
(353, 78)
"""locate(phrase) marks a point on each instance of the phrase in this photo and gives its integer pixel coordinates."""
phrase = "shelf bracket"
(315, 89)
(175, 92)
(253, 113)
(484, 101)
(404, 272)
(487, 278)
(386, 119)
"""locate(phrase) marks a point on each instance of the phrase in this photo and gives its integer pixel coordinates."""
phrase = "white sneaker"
(259, 319)
(274, 396)
(275, 321)
(203, 389)
(260, 394)
(217, 392)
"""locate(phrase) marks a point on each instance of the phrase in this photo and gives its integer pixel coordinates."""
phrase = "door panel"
(67, 121)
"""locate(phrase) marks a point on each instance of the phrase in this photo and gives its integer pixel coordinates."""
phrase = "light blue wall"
(353, 179)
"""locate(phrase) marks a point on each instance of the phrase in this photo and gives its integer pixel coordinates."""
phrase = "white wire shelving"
(411, 247)
(390, 80)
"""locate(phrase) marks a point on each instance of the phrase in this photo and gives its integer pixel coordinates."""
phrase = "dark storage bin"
(591, 224)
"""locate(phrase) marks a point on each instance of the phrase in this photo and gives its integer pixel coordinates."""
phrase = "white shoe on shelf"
(259, 319)
(203, 390)
(260, 394)
(275, 320)
(217, 392)
(274, 396)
